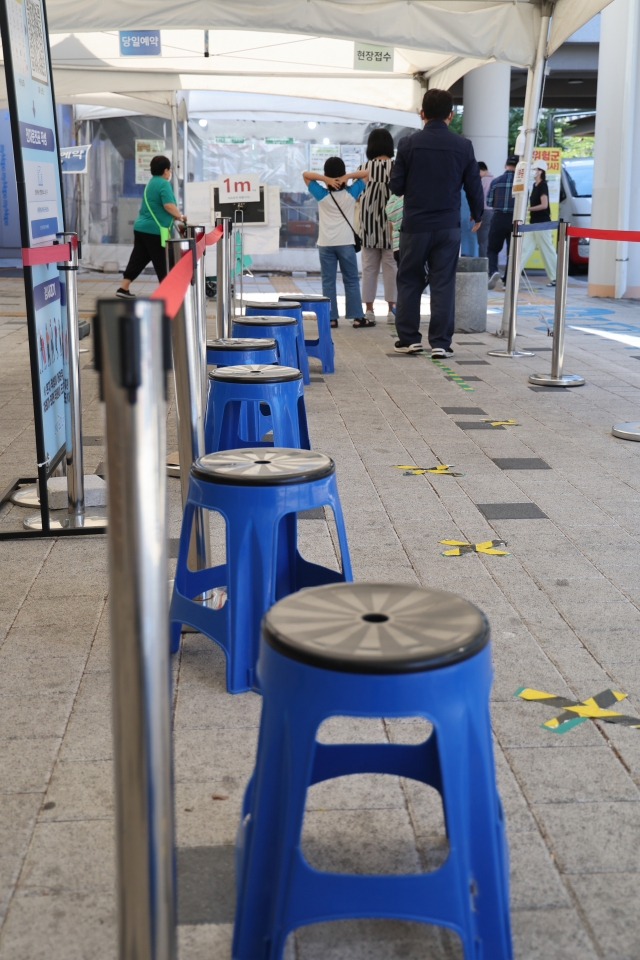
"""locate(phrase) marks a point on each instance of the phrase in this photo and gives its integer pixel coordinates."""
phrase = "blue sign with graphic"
(35, 150)
(74, 159)
(140, 43)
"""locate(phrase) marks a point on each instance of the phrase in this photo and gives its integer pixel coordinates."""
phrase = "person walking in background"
(431, 168)
(374, 229)
(540, 213)
(500, 200)
(336, 206)
(468, 239)
(483, 233)
(151, 228)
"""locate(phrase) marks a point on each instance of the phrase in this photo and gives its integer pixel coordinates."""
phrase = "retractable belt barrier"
(511, 296)
(557, 378)
(536, 227)
(64, 253)
(53, 253)
(633, 236)
(629, 430)
(174, 286)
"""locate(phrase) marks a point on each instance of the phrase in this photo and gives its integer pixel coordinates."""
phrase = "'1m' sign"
(240, 188)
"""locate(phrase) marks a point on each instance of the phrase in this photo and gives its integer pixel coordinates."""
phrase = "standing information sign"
(27, 65)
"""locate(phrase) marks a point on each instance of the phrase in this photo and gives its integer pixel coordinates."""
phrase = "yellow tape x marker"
(575, 712)
(501, 423)
(443, 469)
(460, 547)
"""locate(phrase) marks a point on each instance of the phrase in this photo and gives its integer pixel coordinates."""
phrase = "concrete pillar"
(486, 113)
(614, 268)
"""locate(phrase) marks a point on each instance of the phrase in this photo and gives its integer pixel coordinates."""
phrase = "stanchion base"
(566, 380)
(26, 496)
(627, 431)
(510, 353)
(173, 465)
(65, 521)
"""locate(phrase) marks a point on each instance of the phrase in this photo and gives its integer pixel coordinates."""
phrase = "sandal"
(333, 323)
(363, 322)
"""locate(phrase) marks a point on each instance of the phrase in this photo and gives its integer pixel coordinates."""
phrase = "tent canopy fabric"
(484, 29)
(435, 42)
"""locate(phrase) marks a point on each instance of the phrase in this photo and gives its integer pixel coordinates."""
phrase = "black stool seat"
(241, 343)
(255, 373)
(273, 321)
(273, 305)
(263, 466)
(304, 297)
(375, 628)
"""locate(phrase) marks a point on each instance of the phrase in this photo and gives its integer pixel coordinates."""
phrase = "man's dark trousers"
(499, 231)
(427, 258)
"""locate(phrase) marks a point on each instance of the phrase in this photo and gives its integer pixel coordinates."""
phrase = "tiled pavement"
(564, 608)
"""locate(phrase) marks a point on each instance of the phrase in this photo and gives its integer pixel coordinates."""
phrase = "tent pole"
(174, 145)
(532, 99)
(185, 162)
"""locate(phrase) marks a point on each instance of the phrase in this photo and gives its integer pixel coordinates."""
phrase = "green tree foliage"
(570, 145)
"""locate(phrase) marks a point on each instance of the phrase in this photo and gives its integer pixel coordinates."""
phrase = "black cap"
(512, 161)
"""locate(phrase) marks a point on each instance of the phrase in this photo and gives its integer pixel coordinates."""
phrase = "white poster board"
(144, 151)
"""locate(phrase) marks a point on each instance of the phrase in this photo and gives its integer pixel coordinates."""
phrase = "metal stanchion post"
(556, 378)
(239, 223)
(187, 369)
(200, 303)
(75, 464)
(512, 292)
(224, 326)
(231, 277)
(78, 515)
(506, 308)
(132, 355)
(199, 277)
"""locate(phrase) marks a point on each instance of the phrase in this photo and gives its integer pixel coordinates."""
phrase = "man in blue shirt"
(500, 199)
(431, 168)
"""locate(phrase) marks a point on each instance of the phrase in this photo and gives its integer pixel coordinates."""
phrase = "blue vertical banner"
(27, 64)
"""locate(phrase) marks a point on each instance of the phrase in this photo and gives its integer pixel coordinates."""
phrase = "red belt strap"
(632, 235)
(175, 284)
(56, 253)
(213, 236)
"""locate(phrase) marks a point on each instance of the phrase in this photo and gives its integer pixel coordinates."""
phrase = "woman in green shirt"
(157, 210)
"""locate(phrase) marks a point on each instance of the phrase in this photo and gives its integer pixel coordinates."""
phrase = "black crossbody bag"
(357, 242)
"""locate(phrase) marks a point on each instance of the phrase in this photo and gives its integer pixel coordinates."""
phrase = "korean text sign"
(35, 148)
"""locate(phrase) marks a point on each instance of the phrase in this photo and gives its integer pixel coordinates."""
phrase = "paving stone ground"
(564, 610)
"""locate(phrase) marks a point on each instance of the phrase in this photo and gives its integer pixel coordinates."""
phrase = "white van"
(575, 205)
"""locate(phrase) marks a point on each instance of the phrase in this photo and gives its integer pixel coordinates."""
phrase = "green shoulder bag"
(165, 232)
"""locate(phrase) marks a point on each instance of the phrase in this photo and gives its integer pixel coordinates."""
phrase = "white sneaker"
(399, 347)
(493, 280)
(391, 317)
(370, 315)
(439, 353)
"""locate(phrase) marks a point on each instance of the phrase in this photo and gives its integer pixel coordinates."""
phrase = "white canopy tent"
(310, 41)
(483, 29)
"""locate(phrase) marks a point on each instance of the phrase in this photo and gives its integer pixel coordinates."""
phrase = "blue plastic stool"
(245, 402)
(290, 309)
(229, 351)
(322, 348)
(259, 493)
(373, 650)
(284, 330)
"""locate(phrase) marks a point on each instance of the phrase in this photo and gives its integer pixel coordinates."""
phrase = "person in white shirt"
(336, 206)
